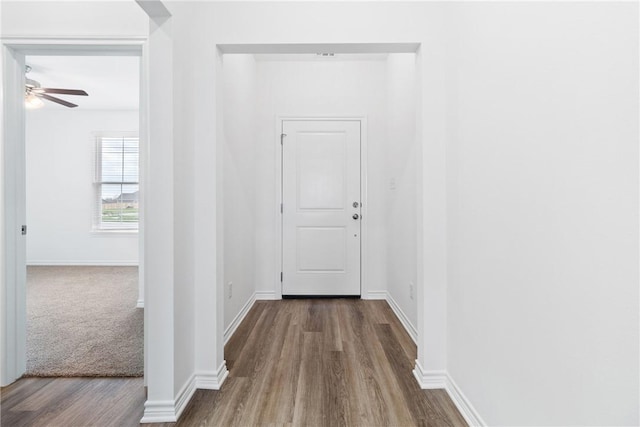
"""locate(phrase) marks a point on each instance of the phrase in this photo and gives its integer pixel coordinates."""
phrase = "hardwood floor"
(318, 362)
(72, 402)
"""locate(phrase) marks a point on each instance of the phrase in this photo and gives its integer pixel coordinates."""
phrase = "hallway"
(314, 362)
(340, 362)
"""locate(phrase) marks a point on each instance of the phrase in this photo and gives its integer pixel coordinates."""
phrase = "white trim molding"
(429, 380)
(168, 411)
(161, 411)
(184, 396)
(12, 287)
(140, 303)
(75, 45)
(239, 318)
(469, 413)
(266, 295)
(376, 295)
(404, 319)
(212, 380)
(88, 263)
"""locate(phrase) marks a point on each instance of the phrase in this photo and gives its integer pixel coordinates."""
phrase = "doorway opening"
(265, 86)
(64, 157)
(82, 210)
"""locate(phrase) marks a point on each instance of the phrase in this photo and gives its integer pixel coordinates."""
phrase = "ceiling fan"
(34, 93)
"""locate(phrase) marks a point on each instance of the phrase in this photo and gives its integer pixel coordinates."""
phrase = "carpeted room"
(84, 303)
(82, 321)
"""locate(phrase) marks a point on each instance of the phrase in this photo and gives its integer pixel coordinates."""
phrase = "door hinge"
(281, 208)
(282, 135)
(281, 276)
(24, 230)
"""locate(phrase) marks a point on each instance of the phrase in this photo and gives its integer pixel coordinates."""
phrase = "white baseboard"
(76, 263)
(408, 326)
(140, 304)
(429, 379)
(442, 380)
(184, 395)
(376, 295)
(168, 411)
(161, 411)
(266, 295)
(212, 380)
(239, 318)
(469, 413)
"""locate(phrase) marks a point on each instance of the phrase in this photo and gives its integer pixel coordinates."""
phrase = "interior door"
(321, 207)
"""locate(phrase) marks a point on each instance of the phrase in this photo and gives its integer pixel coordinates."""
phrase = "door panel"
(321, 249)
(321, 170)
(320, 183)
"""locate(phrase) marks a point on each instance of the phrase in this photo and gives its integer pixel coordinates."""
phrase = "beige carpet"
(82, 321)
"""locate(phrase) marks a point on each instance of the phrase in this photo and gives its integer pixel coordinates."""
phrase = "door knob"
(356, 216)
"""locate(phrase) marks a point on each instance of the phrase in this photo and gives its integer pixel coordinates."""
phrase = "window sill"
(113, 233)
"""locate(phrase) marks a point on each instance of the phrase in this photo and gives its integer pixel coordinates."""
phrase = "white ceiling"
(112, 82)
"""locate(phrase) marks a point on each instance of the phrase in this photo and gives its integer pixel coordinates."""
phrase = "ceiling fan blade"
(62, 91)
(56, 100)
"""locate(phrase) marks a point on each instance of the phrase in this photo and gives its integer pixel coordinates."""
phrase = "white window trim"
(96, 230)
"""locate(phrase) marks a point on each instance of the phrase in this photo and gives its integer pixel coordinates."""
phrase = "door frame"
(12, 211)
(278, 259)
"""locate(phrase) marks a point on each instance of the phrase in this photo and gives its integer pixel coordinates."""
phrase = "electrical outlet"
(411, 290)
(229, 290)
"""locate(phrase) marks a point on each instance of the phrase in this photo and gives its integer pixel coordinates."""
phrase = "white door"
(321, 207)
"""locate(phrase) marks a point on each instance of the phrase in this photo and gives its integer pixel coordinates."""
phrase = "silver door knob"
(356, 216)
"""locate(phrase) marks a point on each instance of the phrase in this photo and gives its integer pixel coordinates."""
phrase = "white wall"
(543, 212)
(239, 183)
(319, 87)
(400, 184)
(184, 208)
(73, 18)
(60, 150)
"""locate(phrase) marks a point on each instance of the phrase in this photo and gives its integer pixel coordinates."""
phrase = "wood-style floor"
(72, 402)
(318, 362)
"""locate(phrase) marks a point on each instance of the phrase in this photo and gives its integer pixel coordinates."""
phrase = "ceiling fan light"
(32, 102)
(30, 83)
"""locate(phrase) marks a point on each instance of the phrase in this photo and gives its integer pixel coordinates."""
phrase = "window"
(116, 183)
